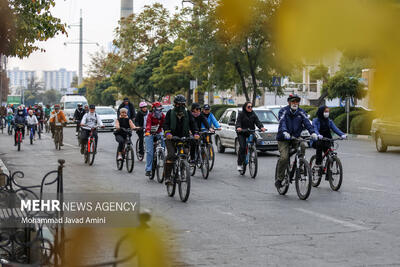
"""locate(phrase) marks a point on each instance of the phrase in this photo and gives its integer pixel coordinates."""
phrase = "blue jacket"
(293, 123)
(212, 121)
(19, 119)
(316, 123)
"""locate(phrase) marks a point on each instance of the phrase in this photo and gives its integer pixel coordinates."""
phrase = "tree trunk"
(243, 81)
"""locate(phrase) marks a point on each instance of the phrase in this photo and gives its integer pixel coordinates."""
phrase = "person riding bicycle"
(247, 119)
(154, 121)
(178, 122)
(212, 121)
(56, 117)
(19, 119)
(32, 122)
(90, 120)
(39, 114)
(130, 107)
(9, 117)
(200, 120)
(140, 121)
(322, 127)
(78, 115)
(123, 122)
(292, 121)
(47, 111)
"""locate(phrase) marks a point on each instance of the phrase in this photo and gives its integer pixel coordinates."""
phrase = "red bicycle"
(90, 148)
(18, 135)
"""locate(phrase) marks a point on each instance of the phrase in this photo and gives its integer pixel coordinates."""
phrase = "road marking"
(65, 144)
(329, 218)
(377, 190)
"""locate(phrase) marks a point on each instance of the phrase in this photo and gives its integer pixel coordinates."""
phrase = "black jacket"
(248, 120)
(132, 111)
(179, 131)
(201, 119)
(139, 118)
(78, 115)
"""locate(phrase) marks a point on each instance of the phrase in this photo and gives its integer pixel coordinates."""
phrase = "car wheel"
(220, 147)
(380, 144)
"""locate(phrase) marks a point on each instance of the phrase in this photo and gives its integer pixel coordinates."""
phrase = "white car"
(108, 117)
(227, 137)
(69, 104)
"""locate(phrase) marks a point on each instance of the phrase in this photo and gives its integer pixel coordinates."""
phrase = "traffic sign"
(276, 81)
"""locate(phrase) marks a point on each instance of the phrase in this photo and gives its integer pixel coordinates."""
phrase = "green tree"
(50, 97)
(352, 64)
(340, 86)
(23, 23)
(320, 72)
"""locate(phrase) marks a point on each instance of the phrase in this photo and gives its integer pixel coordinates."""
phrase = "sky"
(100, 18)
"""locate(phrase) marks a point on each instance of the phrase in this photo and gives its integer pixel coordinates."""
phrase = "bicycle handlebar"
(249, 131)
(332, 139)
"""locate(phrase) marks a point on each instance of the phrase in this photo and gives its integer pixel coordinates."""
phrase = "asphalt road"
(231, 220)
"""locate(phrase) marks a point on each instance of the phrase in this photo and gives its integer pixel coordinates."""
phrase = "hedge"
(219, 109)
(308, 109)
(361, 124)
(341, 120)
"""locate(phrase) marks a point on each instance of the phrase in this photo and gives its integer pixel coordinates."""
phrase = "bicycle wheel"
(253, 162)
(139, 157)
(40, 132)
(285, 185)
(172, 186)
(205, 167)
(243, 171)
(129, 158)
(316, 173)
(19, 141)
(303, 179)
(56, 140)
(153, 168)
(92, 152)
(184, 180)
(160, 166)
(31, 137)
(86, 154)
(120, 163)
(335, 173)
(192, 168)
(211, 156)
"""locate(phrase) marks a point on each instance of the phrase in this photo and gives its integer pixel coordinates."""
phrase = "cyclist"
(247, 119)
(155, 119)
(78, 115)
(200, 120)
(292, 120)
(9, 117)
(323, 126)
(39, 114)
(47, 111)
(32, 122)
(90, 120)
(130, 107)
(57, 116)
(178, 122)
(123, 122)
(10, 108)
(212, 121)
(140, 121)
(19, 119)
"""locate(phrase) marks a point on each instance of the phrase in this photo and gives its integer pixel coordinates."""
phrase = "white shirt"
(91, 120)
(31, 120)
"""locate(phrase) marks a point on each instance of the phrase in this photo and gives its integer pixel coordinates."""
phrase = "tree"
(50, 97)
(23, 23)
(340, 86)
(352, 64)
(320, 72)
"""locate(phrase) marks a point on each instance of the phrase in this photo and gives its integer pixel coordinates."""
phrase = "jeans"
(284, 148)
(150, 151)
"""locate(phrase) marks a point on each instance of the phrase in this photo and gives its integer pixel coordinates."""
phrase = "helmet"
(293, 97)
(206, 106)
(180, 99)
(56, 106)
(195, 106)
(142, 104)
(79, 105)
(156, 105)
(91, 106)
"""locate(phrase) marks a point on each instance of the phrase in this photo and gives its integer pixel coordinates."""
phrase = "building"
(19, 78)
(126, 8)
(58, 79)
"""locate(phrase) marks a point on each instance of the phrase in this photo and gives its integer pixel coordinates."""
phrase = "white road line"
(65, 144)
(331, 219)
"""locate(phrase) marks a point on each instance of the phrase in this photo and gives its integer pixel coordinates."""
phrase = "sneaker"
(120, 157)
(240, 168)
(148, 173)
(76, 134)
(278, 183)
(15, 144)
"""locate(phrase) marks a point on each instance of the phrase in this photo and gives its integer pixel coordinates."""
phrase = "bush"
(308, 109)
(361, 124)
(219, 109)
(341, 120)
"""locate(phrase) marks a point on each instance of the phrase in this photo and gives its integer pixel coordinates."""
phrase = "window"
(232, 118)
(226, 117)
(266, 116)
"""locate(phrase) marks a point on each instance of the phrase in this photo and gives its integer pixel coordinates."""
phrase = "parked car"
(386, 132)
(227, 137)
(108, 117)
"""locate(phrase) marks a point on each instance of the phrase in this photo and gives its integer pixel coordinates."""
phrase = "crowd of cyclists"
(177, 124)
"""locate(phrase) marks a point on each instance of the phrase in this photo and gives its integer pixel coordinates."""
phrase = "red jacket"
(153, 121)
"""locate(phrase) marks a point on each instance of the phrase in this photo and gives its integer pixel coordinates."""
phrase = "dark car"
(386, 132)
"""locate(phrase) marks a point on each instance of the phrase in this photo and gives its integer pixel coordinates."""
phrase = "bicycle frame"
(90, 140)
(249, 142)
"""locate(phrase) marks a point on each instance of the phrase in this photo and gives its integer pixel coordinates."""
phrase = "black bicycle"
(251, 154)
(128, 155)
(298, 170)
(58, 135)
(210, 150)
(331, 166)
(201, 159)
(181, 170)
(158, 158)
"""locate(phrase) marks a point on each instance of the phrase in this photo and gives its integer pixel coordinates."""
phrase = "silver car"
(227, 137)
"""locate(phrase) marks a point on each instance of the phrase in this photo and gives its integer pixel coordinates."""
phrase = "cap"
(92, 106)
(206, 106)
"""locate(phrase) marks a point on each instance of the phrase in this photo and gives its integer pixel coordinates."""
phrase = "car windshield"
(105, 111)
(266, 116)
(73, 105)
(275, 111)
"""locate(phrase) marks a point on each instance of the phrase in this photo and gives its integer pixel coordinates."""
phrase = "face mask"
(326, 115)
(158, 113)
(179, 109)
(294, 106)
(20, 112)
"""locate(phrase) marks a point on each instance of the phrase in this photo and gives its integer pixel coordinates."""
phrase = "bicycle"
(18, 135)
(46, 125)
(58, 135)
(158, 158)
(90, 149)
(210, 150)
(9, 127)
(139, 156)
(31, 133)
(201, 159)
(251, 154)
(127, 153)
(181, 170)
(331, 166)
(298, 170)
(40, 129)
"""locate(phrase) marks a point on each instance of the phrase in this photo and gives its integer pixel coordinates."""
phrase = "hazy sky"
(100, 18)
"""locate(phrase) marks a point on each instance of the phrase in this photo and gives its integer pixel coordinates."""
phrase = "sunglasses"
(249, 107)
